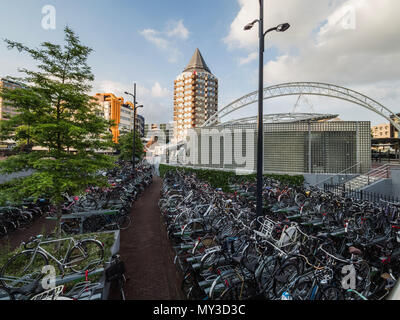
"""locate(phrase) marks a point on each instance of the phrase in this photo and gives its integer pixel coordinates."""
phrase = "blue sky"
(150, 43)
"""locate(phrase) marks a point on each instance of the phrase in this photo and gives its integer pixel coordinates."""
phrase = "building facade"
(163, 131)
(140, 123)
(127, 115)
(7, 111)
(386, 140)
(110, 109)
(115, 108)
(195, 96)
(381, 131)
(294, 148)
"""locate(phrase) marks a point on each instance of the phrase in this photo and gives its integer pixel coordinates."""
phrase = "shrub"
(223, 179)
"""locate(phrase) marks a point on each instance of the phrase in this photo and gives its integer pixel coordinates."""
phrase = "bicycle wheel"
(85, 256)
(212, 260)
(190, 288)
(22, 269)
(123, 222)
(363, 277)
(94, 223)
(224, 287)
(331, 293)
(284, 276)
(265, 275)
(5, 295)
(302, 290)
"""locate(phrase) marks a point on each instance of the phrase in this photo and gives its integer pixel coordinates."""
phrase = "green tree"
(125, 145)
(59, 118)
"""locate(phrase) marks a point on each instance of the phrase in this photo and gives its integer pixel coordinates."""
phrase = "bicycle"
(116, 273)
(26, 266)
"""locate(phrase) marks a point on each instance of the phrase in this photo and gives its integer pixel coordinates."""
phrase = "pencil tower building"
(195, 96)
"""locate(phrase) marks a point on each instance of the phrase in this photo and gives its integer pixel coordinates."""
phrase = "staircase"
(363, 180)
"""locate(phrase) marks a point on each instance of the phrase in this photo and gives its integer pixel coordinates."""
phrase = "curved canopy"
(308, 88)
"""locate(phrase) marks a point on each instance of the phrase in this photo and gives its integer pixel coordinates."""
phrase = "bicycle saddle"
(355, 251)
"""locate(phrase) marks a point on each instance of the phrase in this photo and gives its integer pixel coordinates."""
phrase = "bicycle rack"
(84, 215)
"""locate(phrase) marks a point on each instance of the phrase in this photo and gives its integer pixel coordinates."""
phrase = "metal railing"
(360, 194)
(339, 175)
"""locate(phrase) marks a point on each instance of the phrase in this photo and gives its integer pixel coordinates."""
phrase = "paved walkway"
(147, 252)
(39, 226)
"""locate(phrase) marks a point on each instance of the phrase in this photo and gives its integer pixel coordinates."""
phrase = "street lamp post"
(134, 124)
(260, 145)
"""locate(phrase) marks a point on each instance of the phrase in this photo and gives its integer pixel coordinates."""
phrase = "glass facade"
(301, 147)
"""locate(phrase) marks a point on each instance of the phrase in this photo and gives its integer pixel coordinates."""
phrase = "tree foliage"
(125, 145)
(57, 117)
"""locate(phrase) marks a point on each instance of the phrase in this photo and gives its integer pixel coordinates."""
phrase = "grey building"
(302, 146)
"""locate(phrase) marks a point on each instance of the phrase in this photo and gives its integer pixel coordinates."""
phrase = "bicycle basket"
(51, 294)
(266, 229)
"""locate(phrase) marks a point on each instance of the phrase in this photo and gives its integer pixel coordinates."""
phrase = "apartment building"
(195, 96)
(127, 115)
(381, 131)
(7, 111)
(140, 123)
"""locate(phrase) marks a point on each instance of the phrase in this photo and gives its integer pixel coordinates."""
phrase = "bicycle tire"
(283, 276)
(93, 255)
(124, 222)
(265, 275)
(5, 294)
(331, 293)
(212, 259)
(302, 289)
(16, 267)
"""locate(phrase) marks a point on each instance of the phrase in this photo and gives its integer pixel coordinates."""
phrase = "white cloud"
(157, 107)
(153, 37)
(177, 29)
(252, 56)
(166, 40)
(303, 15)
(158, 91)
(352, 43)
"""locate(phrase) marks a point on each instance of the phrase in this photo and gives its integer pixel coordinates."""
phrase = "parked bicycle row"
(125, 187)
(99, 209)
(107, 208)
(23, 276)
(308, 245)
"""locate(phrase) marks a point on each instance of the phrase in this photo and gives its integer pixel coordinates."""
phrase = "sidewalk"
(40, 226)
(147, 253)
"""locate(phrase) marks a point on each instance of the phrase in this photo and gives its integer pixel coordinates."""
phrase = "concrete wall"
(387, 187)
(383, 187)
(395, 175)
(314, 178)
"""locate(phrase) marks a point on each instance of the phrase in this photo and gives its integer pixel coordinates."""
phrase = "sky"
(350, 43)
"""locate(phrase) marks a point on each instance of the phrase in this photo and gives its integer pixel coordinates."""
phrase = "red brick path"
(147, 252)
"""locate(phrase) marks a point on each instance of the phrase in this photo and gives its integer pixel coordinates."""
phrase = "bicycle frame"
(61, 263)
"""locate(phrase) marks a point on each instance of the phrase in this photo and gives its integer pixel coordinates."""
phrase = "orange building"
(111, 110)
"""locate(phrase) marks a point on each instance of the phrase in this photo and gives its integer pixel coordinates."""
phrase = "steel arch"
(308, 88)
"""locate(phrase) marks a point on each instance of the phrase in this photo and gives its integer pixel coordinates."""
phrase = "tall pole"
(134, 126)
(260, 129)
